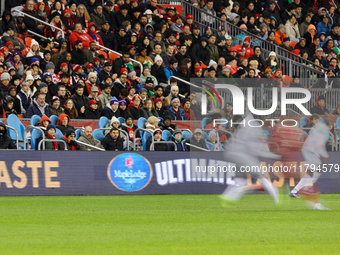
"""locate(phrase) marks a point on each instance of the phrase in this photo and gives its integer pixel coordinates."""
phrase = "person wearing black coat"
(157, 138)
(197, 141)
(200, 53)
(92, 111)
(112, 141)
(122, 15)
(109, 16)
(158, 71)
(107, 36)
(320, 106)
(38, 102)
(78, 56)
(5, 141)
(63, 123)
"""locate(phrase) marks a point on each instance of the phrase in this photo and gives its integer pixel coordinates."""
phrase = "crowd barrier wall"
(116, 173)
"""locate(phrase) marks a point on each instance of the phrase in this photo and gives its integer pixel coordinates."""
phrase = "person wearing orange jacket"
(280, 34)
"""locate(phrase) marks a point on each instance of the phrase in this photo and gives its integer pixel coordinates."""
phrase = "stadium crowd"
(69, 75)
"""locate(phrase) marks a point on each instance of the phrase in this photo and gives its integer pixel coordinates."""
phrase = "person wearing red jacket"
(70, 140)
(79, 34)
(171, 15)
(244, 50)
(93, 33)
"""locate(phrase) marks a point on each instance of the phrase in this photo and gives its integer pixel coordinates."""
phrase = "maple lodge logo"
(129, 172)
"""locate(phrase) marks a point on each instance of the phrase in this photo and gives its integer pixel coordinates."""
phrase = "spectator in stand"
(55, 106)
(197, 141)
(200, 52)
(292, 29)
(175, 111)
(5, 141)
(111, 109)
(212, 142)
(14, 61)
(334, 35)
(112, 141)
(24, 97)
(179, 141)
(92, 111)
(280, 34)
(63, 123)
(70, 140)
(4, 84)
(157, 138)
(105, 97)
(324, 26)
(87, 137)
(186, 107)
(79, 34)
(38, 107)
(148, 109)
(49, 135)
(32, 24)
(320, 106)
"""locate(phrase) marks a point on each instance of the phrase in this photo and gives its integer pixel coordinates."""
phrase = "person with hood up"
(87, 137)
(8, 104)
(49, 135)
(67, 20)
(324, 26)
(310, 35)
(93, 33)
(320, 106)
(200, 53)
(8, 36)
(5, 141)
(234, 18)
(12, 91)
(180, 142)
(167, 125)
(7, 22)
(336, 110)
(134, 107)
(112, 141)
(70, 140)
(111, 109)
(212, 142)
(63, 123)
(244, 50)
(157, 134)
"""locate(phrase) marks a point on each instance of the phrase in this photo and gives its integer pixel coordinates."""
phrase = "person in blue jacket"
(324, 26)
(179, 141)
(212, 143)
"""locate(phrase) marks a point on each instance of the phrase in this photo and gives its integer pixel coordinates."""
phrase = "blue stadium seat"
(186, 135)
(146, 136)
(35, 134)
(204, 135)
(35, 119)
(14, 122)
(58, 134)
(224, 120)
(160, 120)
(337, 123)
(121, 120)
(265, 134)
(204, 122)
(103, 121)
(141, 124)
(78, 131)
(166, 135)
(303, 122)
(54, 119)
(98, 134)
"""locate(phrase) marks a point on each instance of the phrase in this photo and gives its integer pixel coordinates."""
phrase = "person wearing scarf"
(70, 140)
(49, 135)
(320, 106)
(51, 32)
(93, 33)
(67, 20)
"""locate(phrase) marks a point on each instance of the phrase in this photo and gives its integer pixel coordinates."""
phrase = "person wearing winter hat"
(111, 109)
(212, 142)
(244, 49)
(70, 140)
(5, 79)
(92, 111)
(49, 135)
(180, 143)
(55, 106)
(157, 137)
(320, 106)
(105, 97)
(92, 82)
(129, 127)
(280, 34)
(14, 61)
(197, 140)
(175, 111)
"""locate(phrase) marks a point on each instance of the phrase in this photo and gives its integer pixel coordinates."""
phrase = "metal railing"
(285, 57)
(28, 128)
(199, 148)
(141, 139)
(91, 146)
(42, 22)
(152, 146)
(119, 54)
(124, 132)
(51, 141)
(16, 136)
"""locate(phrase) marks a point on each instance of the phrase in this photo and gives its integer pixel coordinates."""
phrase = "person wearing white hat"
(5, 78)
(175, 111)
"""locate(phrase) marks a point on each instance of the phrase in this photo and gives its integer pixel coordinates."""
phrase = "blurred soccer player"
(314, 153)
(244, 150)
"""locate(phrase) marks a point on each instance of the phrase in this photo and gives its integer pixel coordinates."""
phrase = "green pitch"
(166, 224)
